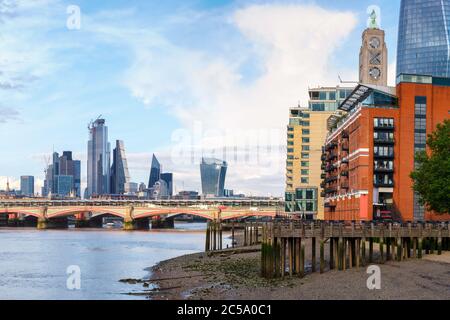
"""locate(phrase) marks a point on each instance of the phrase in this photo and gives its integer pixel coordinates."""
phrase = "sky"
(181, 79)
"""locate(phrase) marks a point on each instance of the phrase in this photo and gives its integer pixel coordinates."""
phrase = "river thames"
(33, 263)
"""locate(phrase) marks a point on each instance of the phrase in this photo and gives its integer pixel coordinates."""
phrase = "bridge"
(135, 213)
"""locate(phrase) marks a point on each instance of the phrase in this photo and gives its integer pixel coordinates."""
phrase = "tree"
(432, 175)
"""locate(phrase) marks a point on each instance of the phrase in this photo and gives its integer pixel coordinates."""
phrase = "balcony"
(323, 176)
(344, 173)
(345, 147)
(331, 179)
(383, 127)
(345, 135)
(384, 141)
(344, 185)
(331, 190)
(383, 184)
(384, 156)
(323, 157)
(383, 170)
(344, 160)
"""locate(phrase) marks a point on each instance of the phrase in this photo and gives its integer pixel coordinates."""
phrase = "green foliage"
(432, 175)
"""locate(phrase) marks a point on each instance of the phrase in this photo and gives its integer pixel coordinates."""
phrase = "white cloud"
(294, 44)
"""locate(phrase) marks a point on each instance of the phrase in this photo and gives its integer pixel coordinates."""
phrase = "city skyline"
(111, 52)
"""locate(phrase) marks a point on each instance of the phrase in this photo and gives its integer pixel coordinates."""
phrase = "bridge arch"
(25, 212)
(96, 212)
(170, 213)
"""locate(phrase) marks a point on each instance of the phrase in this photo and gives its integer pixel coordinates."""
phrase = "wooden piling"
(331, 240)
(232, 234)
(313, 254)
(322, 255)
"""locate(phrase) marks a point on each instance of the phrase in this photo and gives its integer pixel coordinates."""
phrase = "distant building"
(187, 195)
(160, 190)
(98, 163)
(62, 177)
(155, 172)
(27, 185)
(131, 188)
(213, 172)
(167, 177)
(120, 176)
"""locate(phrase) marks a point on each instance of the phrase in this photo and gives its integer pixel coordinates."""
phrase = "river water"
(33, 263)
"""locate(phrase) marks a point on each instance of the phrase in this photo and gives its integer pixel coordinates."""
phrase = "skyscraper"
(423, 38)
(98, 164)
(120, 177)
(27, 185)
(168, 178)
(63, 176)
(155, 172)
(213, 172)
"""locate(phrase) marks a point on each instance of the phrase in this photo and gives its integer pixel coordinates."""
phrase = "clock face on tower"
(374, 42)
(375, 73)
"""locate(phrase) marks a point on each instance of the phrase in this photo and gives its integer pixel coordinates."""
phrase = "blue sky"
(170, 76)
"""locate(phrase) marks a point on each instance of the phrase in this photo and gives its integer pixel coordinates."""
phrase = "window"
(420, 124)
(323, 95)
(305, 155)
(290, 157)
(305, 148)
(306, 115)
(305, 172)
(383, 165)
(305, 131)
(383, 179)
(289, 150)
(289, 163)
(290, 143)
(305, 123)
(290, 129)
(332, 95)
(383, 122)
(305, 140)
(383, 151)
(304, 180)
(290, 136)
(305, 163)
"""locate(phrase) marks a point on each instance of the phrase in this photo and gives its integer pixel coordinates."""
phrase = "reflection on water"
(33, 263)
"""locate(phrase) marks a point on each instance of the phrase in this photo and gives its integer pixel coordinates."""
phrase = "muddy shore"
(234, 275)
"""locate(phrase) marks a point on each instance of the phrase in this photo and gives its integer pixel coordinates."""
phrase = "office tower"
(213, 172)
(27, 185)
(306, 134)
(63, 176)
(373, 57)
(155, 172)
(160, 190)
(98, 164)
(423, 38)
(131, 188)
(120, 177)
(168, 178)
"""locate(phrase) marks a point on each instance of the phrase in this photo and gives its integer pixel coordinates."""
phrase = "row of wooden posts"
(283, 245)
(214, 234)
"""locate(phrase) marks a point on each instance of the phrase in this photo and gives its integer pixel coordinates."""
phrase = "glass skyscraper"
(168, 178)
(155, 172)
(213, 172)
(63, 176)
(423, 38)
(98, 165)
(120, 177)
(27, 185)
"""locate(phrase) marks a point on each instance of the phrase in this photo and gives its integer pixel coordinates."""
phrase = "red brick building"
(369, 151)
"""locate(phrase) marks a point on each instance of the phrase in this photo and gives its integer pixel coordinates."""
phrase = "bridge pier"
(56, 223)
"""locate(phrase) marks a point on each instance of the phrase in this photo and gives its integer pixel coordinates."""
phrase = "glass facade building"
(69, 169)
(168, 178)
(423, 38)
(98, 166)
(120, 176)
(27, 185)
(155, 172)
(213, 172)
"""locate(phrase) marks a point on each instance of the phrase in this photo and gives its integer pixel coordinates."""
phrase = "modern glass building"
(120, 176)
(69, 169)
(423, 38)
(213, 172)
(155, 172)
(168, 178)
(27, 185)
(98, 166)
